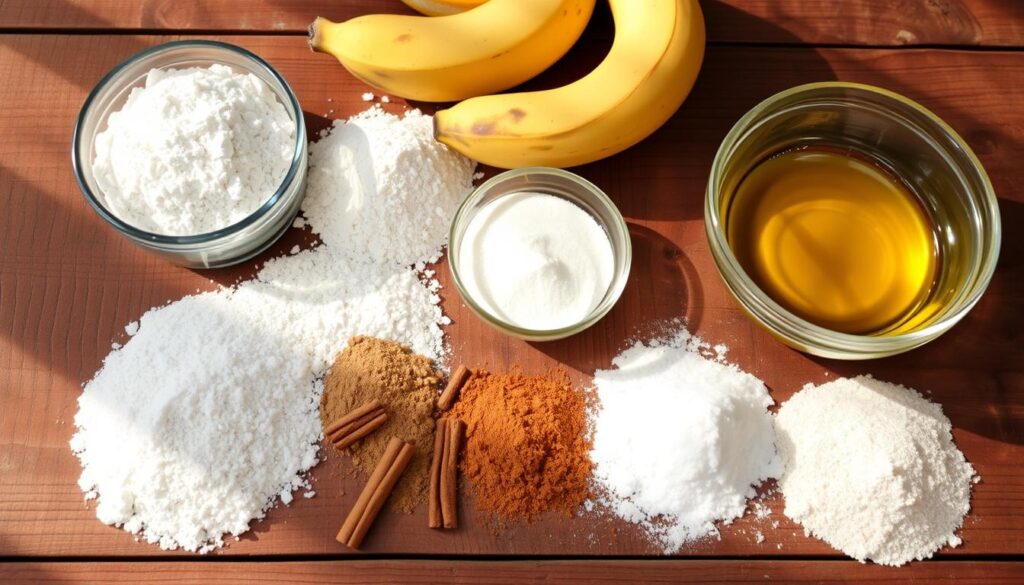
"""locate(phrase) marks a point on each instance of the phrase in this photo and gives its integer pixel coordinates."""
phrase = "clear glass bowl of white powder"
(539, 253)
(228, 150)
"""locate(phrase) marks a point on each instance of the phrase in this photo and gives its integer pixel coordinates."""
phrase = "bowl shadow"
(663, 286)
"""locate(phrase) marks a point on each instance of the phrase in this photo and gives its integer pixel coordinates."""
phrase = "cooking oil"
(835, 238)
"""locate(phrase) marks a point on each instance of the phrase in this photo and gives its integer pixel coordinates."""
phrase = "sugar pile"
(680, 440)
(194, 150)
(209, 412)
(871, 468)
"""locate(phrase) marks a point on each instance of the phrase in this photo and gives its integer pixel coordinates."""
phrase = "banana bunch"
(469, 55)
(487, 49)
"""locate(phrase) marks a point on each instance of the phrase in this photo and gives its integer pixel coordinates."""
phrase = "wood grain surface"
(597, 572)
(69, 284)
(851, 22)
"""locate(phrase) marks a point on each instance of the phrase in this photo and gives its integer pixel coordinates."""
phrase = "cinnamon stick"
(343, 441)
(382, 481)
(352, 416)
(451, 391)
(434, 495)
(356, 424)
(449, 472)
(386, 461)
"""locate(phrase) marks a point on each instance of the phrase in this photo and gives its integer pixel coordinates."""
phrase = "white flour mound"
(680, 440)
(210, 412)
(194, 150)
(871, 469)
(350, 195)
(192, 429)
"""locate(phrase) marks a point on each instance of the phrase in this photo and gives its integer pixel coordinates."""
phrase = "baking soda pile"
(871, 468)
(194, 150)
(209, 413)
(680, 440)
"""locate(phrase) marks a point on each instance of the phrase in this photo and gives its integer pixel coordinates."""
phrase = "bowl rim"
(832, 341)
(295, 110)
(615, 287)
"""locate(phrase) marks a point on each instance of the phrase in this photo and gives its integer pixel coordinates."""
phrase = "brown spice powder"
(527, 444)
(407, 386)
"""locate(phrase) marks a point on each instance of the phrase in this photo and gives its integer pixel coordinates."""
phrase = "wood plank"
(68, 285)
(853, 22)
(473, 572)
(867, 22)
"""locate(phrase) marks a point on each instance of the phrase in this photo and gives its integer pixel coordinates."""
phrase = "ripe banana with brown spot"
(646, 76)
(484, 50)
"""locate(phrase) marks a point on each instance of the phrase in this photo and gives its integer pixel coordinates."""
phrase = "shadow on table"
(85, 65)
(663, 285)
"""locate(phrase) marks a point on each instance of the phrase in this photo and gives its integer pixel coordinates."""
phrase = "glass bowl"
(229, 245)
(934, 163)
(564, 185)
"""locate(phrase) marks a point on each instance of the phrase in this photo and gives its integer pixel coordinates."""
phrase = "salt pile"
(680, 440)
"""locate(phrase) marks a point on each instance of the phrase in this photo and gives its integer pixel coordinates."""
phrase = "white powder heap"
(536, 261)
(191, 429)
(871, 469)
(680, 440)
(194, 150)
(210, 412)
(347, 203)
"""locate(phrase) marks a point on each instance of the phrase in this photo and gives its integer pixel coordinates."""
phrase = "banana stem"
(315, 37)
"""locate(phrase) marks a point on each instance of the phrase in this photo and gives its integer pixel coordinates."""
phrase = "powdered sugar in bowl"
(539, 253)
(195, 150)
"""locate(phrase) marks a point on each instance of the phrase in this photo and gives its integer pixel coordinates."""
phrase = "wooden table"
(68, 285)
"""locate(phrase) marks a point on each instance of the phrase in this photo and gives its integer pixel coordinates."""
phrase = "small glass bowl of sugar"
(539, 253)
(223, 203)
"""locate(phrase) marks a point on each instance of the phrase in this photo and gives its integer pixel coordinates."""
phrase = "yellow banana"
(492, 47)
(442, 7)
(649, 71)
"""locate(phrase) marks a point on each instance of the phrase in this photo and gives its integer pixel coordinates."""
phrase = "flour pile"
(680, 440)
(194, 150)
(209, 413)
(871, 468)
(348, 208)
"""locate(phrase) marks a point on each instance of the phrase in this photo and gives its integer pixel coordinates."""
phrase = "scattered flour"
(194, 150)
(871, 468)
(761, 511)
(209, 413)
(680, 440)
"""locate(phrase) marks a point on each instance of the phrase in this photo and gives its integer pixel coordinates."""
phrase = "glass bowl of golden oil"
(850, 221)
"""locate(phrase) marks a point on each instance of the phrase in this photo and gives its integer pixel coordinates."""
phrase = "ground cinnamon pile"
(406, 385)
(527, 446)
